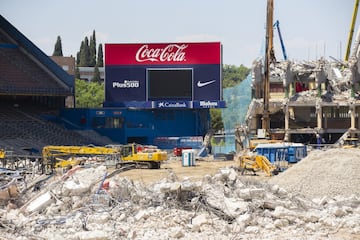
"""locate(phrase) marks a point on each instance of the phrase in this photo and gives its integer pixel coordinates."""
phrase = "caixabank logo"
(171, 104)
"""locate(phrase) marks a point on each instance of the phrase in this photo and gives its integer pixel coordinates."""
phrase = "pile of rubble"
(334, 172)
(85, 203)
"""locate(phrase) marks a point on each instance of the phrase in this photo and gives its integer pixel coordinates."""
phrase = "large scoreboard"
(164, 75)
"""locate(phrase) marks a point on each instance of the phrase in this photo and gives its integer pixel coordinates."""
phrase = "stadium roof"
(28, 70)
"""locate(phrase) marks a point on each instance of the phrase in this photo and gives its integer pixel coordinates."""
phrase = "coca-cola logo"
(170, 53)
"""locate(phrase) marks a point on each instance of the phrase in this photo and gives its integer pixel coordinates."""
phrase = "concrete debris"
(337, 77)
(226, 205)
(39, 203)
(323, 173)
(311, 83)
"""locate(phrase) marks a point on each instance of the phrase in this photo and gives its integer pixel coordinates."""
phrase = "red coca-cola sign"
(163, 53)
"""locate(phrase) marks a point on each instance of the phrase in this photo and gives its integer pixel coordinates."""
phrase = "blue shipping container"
(291, 153)
(297, 152)
(273, 152)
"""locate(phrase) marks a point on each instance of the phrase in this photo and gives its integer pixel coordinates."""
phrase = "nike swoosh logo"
(203, 84)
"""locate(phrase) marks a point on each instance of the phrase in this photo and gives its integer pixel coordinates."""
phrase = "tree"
(216, 119)
(78, 57)
(92, 50)
(89, 94)
(77, 73)
(84, 53)
(96, 77)
(87, 57)
(100, 57)
(233, 75)
(58, 48)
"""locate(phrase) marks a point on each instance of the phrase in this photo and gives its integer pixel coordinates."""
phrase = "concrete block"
(40, 203)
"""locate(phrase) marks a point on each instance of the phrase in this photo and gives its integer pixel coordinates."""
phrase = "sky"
(310, 28)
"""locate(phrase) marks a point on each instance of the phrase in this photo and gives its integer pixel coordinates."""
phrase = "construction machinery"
(254, 142)
(68, 156)
(256, 163)
(351, 32)
(142, 156)
(10, 160)
(2, 153)
(277, 25)
(269, 58)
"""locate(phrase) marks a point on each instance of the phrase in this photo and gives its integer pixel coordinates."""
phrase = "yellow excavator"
(256, 163)
(143, 156)
(2, 153)
(68, 156)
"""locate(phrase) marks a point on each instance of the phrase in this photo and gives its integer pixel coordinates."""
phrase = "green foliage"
(77, 73)
(233, 75)
(216, 119)
(87, 57)
(84, 53)
(96, 77)
(78, 58)
(92, 50)
(215, 142)
(58, 48)
(100, 57)
(89, 94)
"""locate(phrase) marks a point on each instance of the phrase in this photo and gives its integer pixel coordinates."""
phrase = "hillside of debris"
(323, 173)
(88, 203)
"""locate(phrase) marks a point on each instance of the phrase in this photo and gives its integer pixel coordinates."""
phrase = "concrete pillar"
(286, 110)
(319, 116)
(352, 116)
(358, 121)
(292, 87)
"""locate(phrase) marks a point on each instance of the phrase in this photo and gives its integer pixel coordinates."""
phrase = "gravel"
(330, 172)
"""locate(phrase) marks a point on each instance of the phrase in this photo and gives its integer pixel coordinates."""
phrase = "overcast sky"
(310, 28)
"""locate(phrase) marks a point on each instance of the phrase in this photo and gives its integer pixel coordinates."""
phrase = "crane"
(351, 32)
(277, 25)
(269, 56)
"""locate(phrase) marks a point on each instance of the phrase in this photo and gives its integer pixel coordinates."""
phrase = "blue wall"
(135, 125)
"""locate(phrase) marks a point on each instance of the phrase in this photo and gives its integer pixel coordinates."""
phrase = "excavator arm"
(53, 155)
(257, 163)
(277, 25)
(351, 32)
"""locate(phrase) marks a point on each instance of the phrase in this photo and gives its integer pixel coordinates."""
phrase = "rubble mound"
(322, 173)
(84, 204)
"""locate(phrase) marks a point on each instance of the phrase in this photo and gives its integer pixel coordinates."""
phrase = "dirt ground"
(202, 167)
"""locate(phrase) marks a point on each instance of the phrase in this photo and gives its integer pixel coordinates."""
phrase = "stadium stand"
(21, 126)
(33, 86)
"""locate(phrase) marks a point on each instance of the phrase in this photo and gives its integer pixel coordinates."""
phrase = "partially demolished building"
(309, 100)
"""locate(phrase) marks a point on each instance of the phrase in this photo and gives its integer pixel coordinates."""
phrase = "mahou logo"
(170, 53)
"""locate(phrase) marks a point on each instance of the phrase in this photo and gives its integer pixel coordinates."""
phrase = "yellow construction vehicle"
(143, 156)
(2, 154)
(68, 156)
(256, 141)
(255, 163)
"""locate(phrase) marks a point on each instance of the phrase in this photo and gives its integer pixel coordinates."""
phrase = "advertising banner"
(163, 72)
(163, 53)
